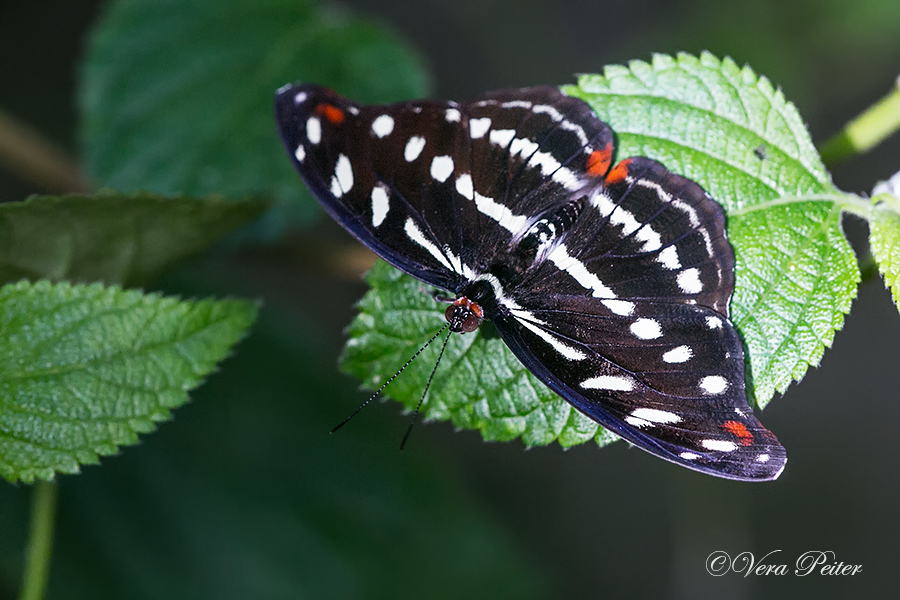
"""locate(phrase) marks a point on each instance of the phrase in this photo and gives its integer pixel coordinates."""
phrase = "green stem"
(24, 152)
(865, 131)
(40, 541)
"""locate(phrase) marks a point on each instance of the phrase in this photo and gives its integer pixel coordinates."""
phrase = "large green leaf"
(87, 368)
(177, 95)
(113, 238)
(733, 133)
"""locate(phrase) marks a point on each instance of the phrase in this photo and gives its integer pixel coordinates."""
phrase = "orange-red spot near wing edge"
(334, 115)
(598, 161)
(619, 172)
(745, 438)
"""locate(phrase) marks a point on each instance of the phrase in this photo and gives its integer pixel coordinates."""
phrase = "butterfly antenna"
(427, 385)
(388, 382)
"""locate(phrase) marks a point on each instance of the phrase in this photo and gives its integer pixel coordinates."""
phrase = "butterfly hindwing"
(610, 284)
(667, 377)
(634, 333)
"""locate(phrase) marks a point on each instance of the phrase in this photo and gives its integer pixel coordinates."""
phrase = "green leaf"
(87, 368)
(884, 233)
(114, 238)
(176, 96)
(737, 136)
(710, 120)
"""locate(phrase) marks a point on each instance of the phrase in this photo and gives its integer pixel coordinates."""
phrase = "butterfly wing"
(622, 311)
(635, 334)
(441, 207)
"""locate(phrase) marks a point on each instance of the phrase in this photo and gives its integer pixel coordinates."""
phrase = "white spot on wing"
(713, 322)
(689, 281)
(655, 415)
(502, 137)
(616, 383)
(441, 168)
(574, 267)
(603, 203)
(762, 458)
(547, 110)
(383, 125)
(415, 234)
(380, 204)
(413, 148)
(523, 146)
(620, 307)
(478, 127)
(636, 422)
(300, 98)
(678, 355)
(557, 344)
(719, 445)
(464, 186)
(646, 329)
(689, 456)
(652, 240)
(300, 154)
(452, 115)
(313, 130)
(344, 173)
(669, 258)
(336, 190)
(500, 213)
(714, 384)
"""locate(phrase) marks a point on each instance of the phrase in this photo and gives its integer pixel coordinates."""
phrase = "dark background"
(232, 498)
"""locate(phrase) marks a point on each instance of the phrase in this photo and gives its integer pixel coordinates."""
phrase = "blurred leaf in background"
(115, 238)
(176, 96)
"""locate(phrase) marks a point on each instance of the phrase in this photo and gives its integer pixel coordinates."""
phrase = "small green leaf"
(87, 368)
(736, 135)
(176, 96)
(733, 133)
(884, 234)
(114, 238)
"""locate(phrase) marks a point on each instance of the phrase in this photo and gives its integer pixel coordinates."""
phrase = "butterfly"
(609, 281)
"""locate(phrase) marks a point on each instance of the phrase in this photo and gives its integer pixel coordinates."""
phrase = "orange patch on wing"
(334, 115)
(619, 172)
(745, 438)
(598, 161)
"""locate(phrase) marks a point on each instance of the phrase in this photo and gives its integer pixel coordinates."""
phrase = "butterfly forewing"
(610, 285)
(438, 188)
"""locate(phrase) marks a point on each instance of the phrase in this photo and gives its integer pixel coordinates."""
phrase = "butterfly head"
(464, 315)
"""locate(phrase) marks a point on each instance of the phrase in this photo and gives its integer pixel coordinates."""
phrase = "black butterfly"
(611, 285)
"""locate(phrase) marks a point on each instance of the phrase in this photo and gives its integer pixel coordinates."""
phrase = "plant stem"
(40, 541)
(26, 153)
(865, 131)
